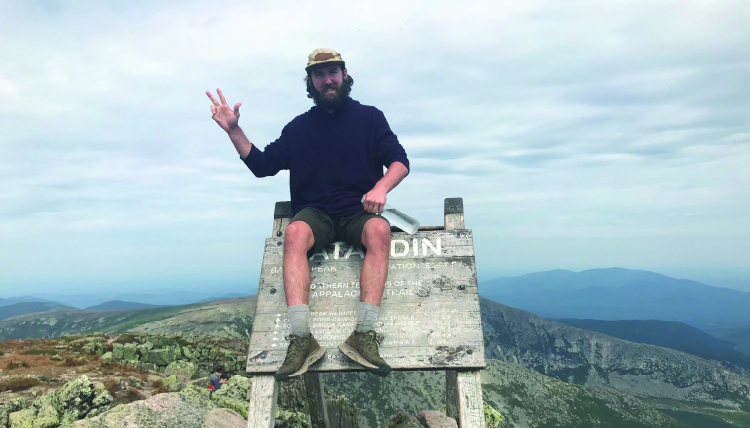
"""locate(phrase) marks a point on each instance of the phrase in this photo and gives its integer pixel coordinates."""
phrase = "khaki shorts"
(327, 230)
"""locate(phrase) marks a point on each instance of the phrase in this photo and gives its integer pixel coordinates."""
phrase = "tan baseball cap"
(323, 55)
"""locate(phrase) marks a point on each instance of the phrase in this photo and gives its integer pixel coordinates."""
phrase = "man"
(216, 380)
(335, 153)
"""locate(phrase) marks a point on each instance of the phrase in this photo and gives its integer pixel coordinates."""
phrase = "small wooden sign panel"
(429, 316)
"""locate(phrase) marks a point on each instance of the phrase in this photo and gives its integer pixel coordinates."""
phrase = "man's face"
(327, 80)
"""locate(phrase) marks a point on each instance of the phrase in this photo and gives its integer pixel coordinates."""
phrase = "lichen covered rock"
(162, 410)
(236, 387)
(10, 403)
(402, 420)
(184, 370)
(287, 419)
(21, 419)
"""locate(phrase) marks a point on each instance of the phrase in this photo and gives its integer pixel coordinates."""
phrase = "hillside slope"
(673, 335)
(584, 357)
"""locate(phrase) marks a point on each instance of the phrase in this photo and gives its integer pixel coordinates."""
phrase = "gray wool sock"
(367, 314)
(299, 316)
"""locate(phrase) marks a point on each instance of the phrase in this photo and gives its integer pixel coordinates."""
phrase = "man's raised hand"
(222, 113)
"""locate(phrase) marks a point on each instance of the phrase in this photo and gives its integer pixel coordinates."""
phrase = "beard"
(334, 101)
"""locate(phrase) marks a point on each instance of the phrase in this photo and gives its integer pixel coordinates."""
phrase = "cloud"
(561, 124)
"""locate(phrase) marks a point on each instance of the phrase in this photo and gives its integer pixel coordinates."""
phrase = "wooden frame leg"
(464, 398)
(316, 400)
(263, 395)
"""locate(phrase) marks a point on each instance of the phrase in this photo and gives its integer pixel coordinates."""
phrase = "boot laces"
(373, 340)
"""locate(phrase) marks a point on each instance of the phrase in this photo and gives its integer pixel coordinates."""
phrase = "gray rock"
(434, 419)
(162, 410)
(402, 420)
(224, 418)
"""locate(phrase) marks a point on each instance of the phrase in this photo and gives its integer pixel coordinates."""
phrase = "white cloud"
(563, 126)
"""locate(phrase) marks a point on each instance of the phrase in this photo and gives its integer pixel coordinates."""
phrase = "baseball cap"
(323, 55)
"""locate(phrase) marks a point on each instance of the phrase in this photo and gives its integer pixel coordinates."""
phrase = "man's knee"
(298, 235)
(376, 235)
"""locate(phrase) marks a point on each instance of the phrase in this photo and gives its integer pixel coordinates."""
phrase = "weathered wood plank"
(429, 315)
(263, 394)
(464, 398)
(454, 213)
(316, 400)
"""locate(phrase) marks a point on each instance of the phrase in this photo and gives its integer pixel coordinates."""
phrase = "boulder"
(56, 357)
(79, 398)
(224, 418)
(287, 419)
(107, 356)
(10, 403)
(21, 419)
(162, 410)
(135, 382)
(169, 380)
(402, 420)
(187, 352)
(46, 413)
(117, 351)
(236, 387)
(435, 419)
(184, 370)
(227, 402)
(129, 352)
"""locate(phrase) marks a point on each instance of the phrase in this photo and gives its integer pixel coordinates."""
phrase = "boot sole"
(357, 358)
(310, 360)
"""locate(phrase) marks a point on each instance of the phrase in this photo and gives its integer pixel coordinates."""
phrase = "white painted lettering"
(426, 243)
(393, 248)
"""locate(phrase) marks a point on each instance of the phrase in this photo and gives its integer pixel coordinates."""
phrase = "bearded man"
(335, 153)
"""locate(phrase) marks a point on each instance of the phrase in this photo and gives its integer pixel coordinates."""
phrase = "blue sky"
(580, 134)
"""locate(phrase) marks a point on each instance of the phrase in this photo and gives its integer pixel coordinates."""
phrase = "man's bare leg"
(303, 349)
(376, 238)
(298, 239)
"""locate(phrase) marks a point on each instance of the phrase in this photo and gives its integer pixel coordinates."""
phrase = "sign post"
(429, 315)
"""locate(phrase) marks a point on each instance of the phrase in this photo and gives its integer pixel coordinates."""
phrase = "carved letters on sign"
(429, 314)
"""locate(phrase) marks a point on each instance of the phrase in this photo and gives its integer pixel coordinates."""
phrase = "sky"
(580, 134)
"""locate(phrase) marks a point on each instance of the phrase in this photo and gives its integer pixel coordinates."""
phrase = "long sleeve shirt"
(333, 158)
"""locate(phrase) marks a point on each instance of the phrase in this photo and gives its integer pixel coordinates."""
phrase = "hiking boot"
(363, 349)
(301, 354)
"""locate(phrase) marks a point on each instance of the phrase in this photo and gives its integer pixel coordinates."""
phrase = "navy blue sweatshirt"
(333, 158)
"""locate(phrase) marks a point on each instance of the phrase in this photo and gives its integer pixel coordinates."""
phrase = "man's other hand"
(375, 200)
(222, 113)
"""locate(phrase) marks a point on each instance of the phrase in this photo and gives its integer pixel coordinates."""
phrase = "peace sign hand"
(222, 114)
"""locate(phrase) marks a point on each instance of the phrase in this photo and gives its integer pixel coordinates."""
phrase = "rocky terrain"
(544, 374)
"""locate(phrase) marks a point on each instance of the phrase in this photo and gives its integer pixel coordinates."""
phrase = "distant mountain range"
(30, 307)
(89, 301)
(114, 305)
(621, 294)
(22, 299)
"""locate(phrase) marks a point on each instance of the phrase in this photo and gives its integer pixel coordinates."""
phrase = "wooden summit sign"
(429, 316)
